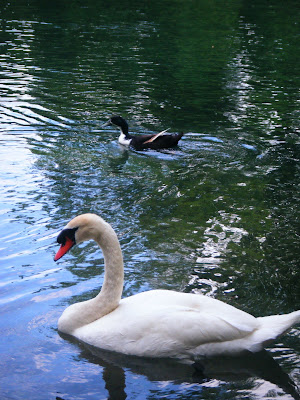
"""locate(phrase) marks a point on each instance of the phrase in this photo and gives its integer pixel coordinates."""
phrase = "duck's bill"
(106, 124)
(64, 249)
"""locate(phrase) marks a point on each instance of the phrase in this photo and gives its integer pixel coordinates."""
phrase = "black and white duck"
(156, 141)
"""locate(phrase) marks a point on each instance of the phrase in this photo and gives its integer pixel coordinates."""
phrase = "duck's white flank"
(160, 323)
(123, 140)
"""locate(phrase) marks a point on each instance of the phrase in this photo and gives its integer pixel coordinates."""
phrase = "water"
(218, 215)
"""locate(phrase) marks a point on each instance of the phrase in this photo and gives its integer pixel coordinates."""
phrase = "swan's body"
(141, 142)
(158, 323)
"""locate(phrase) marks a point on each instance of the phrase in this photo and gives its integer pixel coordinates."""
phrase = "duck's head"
(119, 122)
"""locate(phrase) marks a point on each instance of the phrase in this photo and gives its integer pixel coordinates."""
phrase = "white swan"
(157, 323)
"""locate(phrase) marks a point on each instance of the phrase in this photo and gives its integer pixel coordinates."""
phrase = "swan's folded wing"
(167, 331)
(193, 328)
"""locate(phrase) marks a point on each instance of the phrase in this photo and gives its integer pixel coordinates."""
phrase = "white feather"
(123, 140)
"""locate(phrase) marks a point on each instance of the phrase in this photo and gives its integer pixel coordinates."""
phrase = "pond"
(217, 215)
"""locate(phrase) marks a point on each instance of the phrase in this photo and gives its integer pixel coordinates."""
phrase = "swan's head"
(79, 229)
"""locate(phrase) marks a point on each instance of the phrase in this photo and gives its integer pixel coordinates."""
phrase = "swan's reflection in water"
(254, 368)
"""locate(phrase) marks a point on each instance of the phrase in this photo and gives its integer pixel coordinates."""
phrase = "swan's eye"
(66, 233)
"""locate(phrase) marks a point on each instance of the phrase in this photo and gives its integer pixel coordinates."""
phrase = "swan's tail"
(274, 326)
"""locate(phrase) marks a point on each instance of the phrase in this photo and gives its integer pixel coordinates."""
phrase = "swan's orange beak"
(64, 248)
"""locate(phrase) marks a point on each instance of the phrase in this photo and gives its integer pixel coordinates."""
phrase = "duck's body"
(157, 141)
(158, 323)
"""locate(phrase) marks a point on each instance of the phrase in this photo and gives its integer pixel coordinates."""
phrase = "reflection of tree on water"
(248, 367)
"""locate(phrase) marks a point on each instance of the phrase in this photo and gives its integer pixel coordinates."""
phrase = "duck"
(157, 323)
(156, 141)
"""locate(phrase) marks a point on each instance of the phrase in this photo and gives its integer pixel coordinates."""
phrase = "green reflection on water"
(218, 215)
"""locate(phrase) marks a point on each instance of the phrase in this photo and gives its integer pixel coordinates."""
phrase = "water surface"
(218, 215)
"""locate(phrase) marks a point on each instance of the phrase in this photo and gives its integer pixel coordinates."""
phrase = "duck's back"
(155, 141)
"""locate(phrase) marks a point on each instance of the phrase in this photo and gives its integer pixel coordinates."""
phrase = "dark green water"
(217, 215)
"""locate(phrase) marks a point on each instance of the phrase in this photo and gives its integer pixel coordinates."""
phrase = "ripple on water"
(196, 218)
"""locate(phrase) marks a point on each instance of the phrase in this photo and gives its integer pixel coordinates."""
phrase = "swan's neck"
(86, 312)
(112, 287)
